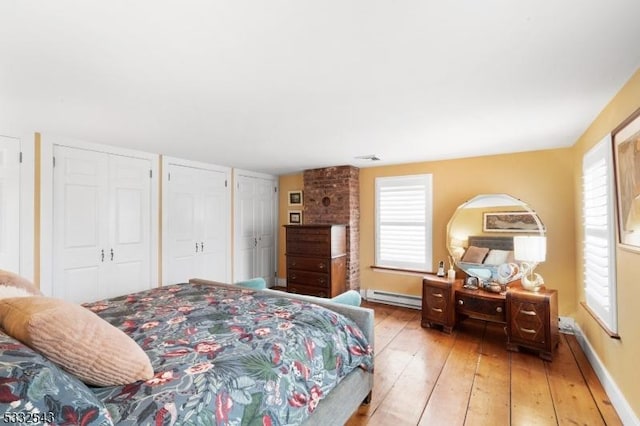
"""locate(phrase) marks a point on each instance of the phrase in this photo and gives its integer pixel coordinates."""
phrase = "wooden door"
(10, 204)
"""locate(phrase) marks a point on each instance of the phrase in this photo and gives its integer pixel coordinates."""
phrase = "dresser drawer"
(312, 264)
(486, 309)
(309, 279)
(311, 291)
(308, 248)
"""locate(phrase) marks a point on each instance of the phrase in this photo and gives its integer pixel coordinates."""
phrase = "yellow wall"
(620, 357)
(543, 179)
(286, 184)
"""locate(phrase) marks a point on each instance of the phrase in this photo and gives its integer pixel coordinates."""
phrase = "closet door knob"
(202, 246)
(102, 255)
(196, 247)
(112, 255)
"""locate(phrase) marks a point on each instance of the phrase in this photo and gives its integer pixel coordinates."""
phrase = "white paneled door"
(9, 204)
(101, 219)
(255, 227)
(196, 222)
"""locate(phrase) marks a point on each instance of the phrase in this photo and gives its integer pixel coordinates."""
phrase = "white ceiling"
(280, 86)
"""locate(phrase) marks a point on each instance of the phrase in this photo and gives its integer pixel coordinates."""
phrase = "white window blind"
(403, 222)
(599, 233)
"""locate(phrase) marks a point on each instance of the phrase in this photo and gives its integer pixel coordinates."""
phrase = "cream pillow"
(75, 338)
(497, 257)
(13, 285)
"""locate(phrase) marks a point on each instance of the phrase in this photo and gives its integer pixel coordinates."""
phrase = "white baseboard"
(624, 410)
(566, 325)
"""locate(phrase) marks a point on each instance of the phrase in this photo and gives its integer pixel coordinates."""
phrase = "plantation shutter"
(403, 222)
(599, 233)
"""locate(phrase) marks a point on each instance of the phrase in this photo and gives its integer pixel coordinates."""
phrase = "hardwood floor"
(426, 377)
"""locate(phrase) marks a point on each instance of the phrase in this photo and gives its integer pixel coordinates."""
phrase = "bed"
(221, 354)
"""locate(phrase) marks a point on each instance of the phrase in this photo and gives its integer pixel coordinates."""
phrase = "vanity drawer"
(490, 309)
(532, 321)
(437, 303)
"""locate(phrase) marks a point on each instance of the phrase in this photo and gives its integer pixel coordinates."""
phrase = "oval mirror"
(480, 237)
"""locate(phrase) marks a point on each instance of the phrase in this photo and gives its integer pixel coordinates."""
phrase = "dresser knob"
(293, 277)
(460, 302)
(498, 309)
(321, 265)
(321, 280)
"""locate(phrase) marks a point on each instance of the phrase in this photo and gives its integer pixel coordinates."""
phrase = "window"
(403, 222)
(599, 234)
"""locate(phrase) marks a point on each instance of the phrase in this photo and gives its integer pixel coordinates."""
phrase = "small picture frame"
(295, 198)
(295, 217)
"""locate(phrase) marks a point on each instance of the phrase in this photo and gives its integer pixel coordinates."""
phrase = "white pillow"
(497, 257)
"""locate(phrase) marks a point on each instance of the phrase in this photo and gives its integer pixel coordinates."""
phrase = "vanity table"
(481, 242)
(530, 318)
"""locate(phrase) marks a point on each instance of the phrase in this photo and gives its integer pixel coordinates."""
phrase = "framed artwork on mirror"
(510, 222)
(626, 155)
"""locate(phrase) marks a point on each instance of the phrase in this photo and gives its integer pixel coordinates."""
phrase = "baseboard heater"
(390, 298)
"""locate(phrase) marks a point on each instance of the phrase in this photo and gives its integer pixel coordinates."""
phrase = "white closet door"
(80, 220)
(245, 237)
(196, 222)
(214, 220)
(128, 247)
(9, 204)
(265, 230)
(255, 227)
(181, 192)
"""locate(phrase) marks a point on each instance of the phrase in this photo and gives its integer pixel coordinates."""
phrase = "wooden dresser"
(530, 318)
(316, 259)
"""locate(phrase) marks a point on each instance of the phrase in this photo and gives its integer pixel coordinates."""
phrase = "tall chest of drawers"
(316, 259)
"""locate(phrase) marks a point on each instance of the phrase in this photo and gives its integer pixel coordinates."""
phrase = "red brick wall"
(339, 187)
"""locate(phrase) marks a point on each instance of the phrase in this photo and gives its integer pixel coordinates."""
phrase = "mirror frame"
(457, 243)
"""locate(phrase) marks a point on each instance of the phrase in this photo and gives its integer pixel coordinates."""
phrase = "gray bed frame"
(354, 389)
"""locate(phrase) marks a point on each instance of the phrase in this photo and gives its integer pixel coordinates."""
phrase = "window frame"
(426, 180)
(606, 316)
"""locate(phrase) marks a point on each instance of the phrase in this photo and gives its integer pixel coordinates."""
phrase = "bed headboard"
(491, 242)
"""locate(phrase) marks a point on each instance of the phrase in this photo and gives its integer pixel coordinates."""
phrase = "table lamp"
(530, 250)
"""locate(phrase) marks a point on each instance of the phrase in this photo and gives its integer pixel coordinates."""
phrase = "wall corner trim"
(618, 400)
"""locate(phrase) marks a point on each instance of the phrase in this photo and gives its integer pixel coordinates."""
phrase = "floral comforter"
(222, 355)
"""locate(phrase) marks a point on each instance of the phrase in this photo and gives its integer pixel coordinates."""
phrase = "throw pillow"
(475, 254)
(13, 285)
(75, 338)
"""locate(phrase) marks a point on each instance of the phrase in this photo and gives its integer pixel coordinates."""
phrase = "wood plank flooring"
(426, 377)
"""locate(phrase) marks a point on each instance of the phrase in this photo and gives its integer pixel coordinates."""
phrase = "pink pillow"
(475, 254)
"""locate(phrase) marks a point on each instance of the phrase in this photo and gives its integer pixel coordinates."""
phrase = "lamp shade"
(530, 248)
